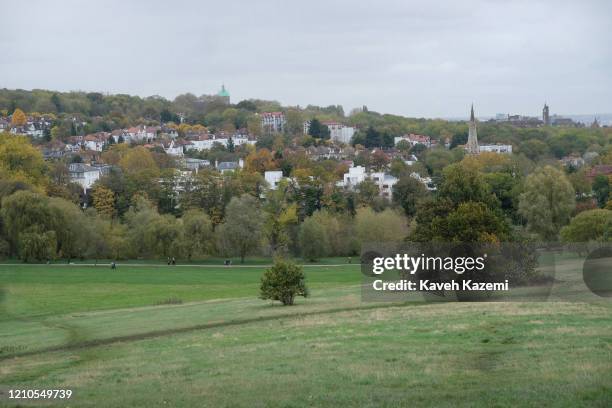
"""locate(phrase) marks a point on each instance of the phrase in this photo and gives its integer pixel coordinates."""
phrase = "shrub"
(283, 282)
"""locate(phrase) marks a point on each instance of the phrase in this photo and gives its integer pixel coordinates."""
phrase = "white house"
(195, 164)
(414, 139)
(174, 149)
(496, 148)
(357, 175)
(273, 122)
(224, 167)
(425, 180)
(140, 133)
(385, 183)
(83, 174)
(340, 133)
(273, 177)
(337, 131)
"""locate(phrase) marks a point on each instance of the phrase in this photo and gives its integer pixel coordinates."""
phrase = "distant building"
(273, 122)
(357, 175)
(546, 115)
(83, 174)
(599, 170)
(339, 132)
(273, 177)
(472, 143)
(174, 149)
(495, 148)
(414, 139)
(572, 161)
(223, 95)
(224, 167)
(195, 164)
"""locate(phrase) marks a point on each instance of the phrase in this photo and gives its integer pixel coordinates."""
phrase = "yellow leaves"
(183, 128)
(199, 128)
(289, 216)
(104, 201)
(19, 118)
(20, 161)
(259, 161)
(138, 160)
(115, 153)
(486, 161)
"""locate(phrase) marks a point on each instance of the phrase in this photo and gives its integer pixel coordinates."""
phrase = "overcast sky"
(415, 58)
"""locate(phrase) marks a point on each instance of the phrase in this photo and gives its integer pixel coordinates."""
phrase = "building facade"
(273, 122)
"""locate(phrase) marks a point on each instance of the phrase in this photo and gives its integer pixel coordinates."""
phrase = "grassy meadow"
(155, 335)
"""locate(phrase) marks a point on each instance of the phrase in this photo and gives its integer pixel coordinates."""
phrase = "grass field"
(149, 335)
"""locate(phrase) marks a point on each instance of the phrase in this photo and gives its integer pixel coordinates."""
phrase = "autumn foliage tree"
(104, 201)
(19, 118)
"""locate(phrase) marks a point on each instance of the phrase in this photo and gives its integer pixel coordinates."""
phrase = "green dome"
(223, 91)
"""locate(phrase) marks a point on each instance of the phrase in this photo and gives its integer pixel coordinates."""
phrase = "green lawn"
(104, 334)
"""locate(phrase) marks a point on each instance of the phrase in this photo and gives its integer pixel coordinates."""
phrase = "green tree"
(23, 212)
(295, 122)
(547, 201)
(385, 226)
(471, 222)
(601, 188)
(314, 241)
(318, 130)
(197, 233)
(20, 161)
(407, 192)
(592, 225)
(462, 184)
(39, 246)
(283, 282)
(367, 192)
(242, 232)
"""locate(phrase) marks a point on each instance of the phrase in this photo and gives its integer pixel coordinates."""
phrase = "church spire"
(472, 142)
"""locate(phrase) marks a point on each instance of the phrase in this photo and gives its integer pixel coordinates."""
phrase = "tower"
(472, 142)
(546, 115)
(595, 124)
(224, 95)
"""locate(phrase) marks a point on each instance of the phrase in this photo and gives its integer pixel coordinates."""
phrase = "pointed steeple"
(472, 142)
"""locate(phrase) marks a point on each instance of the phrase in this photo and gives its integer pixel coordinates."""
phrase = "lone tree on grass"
(283, 281)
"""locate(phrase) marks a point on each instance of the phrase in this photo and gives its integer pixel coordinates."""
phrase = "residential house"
(195, 164)
(599, 170)
(224, 167)
(273, 122)
(414, 139)
(496, 148)
(273, 177)
(83, 174)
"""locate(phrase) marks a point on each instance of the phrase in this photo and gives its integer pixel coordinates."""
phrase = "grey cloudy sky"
(415, 58)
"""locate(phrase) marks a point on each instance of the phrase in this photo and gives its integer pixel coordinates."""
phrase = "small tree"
(283, 282)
